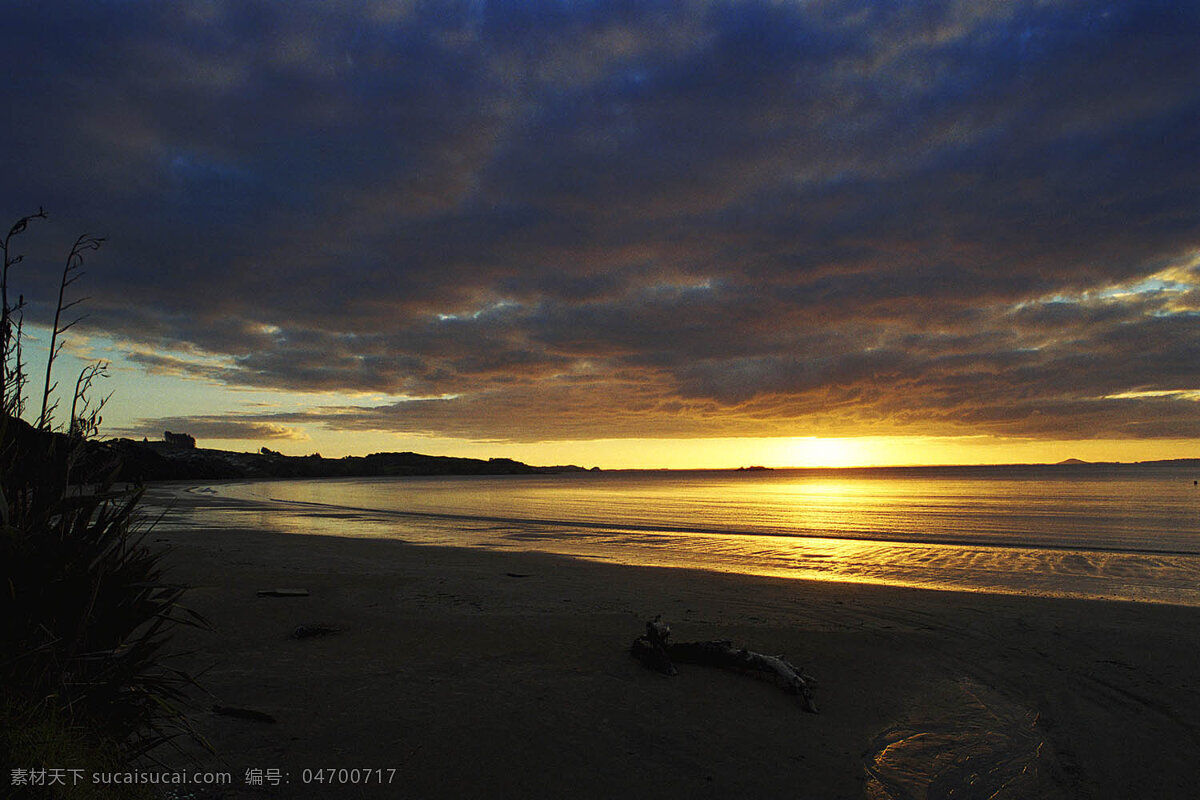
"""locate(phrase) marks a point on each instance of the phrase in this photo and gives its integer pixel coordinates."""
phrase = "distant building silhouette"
(183, 441)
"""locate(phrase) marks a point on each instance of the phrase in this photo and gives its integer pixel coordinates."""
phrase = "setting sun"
(816, 452)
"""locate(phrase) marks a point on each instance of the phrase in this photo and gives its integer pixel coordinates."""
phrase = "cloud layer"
(539, 220)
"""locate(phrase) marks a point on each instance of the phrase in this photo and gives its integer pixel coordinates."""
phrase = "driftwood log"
(655, 650)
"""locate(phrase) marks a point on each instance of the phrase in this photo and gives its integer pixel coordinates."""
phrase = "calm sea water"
(1083, 531)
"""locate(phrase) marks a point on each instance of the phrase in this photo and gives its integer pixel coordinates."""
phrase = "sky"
(624, 234)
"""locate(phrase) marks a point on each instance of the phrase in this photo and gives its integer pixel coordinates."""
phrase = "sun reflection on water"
(1034, 533)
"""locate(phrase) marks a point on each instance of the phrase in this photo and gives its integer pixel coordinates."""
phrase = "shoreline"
(1156, 575)
(479, 673)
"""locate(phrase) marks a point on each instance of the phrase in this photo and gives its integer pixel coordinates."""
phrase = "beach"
(453, 672)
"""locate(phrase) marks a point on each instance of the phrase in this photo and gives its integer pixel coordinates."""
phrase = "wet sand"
(499, 674)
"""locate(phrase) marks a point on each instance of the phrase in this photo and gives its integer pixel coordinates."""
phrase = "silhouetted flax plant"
(85, 612)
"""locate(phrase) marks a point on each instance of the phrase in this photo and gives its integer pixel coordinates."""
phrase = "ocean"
(1126, 532)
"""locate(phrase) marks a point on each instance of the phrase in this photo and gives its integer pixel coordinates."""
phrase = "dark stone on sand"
(310, 631)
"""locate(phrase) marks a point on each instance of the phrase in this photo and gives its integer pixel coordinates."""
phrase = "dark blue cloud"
(736, 217)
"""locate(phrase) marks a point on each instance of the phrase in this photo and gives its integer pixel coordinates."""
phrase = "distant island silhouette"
(177, 458)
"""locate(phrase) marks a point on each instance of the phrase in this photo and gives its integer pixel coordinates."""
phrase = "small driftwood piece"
(283, 592)
(242, 713)
(655, 650)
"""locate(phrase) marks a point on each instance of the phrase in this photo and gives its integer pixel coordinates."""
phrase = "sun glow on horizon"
(732, 453)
